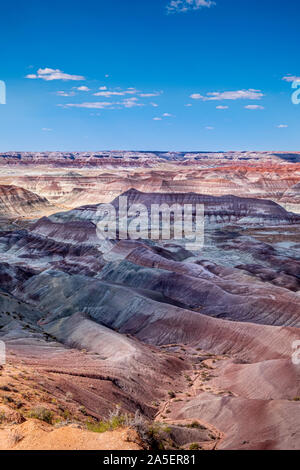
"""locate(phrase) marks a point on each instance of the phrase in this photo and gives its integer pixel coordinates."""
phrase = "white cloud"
(188, 105)
(53, 74)
(108, 94)
(291, 78)
(65, 93)
(250, 94)
(46, 129)
(209, 128)
(81, 88)
(222, 107)
(165, 115)
(131, 103)
(129, 91)
(126, 103)
(181, 6)
(254, 106)
(150, 95)
(282, 126)
(91, 105)
(119, 98)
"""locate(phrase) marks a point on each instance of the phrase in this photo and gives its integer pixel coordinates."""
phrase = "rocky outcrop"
(15, 201)
(223, 210)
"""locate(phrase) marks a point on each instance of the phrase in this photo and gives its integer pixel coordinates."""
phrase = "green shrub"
(82, 410)
(103, 426)
(195, 425)
(194, 446)
(43, 414)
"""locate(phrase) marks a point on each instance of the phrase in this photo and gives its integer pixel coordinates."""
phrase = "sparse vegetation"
(104, 426)
(67, 415)
(41, 413)
(194, 446)
(16, 437)
(82, 410)
(7, 399)
(195, 425)
(115, 421)
(69, 396)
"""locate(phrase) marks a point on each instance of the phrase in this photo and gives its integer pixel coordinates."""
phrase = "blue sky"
(149, 74)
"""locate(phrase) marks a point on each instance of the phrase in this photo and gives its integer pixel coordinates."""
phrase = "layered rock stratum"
(73, 179)
(89, 329)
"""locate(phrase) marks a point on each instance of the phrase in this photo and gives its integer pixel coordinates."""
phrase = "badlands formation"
(88, 331)
(74, 179)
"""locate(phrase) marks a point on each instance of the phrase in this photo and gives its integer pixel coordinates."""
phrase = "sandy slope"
(37, 435)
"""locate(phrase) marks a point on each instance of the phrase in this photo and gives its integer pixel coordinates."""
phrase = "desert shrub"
(153, 435)
(140, 425)
(19, 404)
(157, 436)
(150, 435)
(67, 415)
(16, 437)
(69, 396)
(114, 421)
(104, 426)
(194, 446)
(82, 410)
(167, 429)
(41, 413)
(195, 425)
(172, 394)
(2, 417)
(7, 400)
